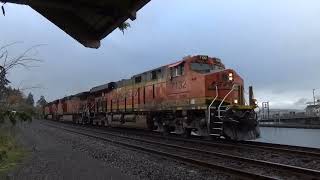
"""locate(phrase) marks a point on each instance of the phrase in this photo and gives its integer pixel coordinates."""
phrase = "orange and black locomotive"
(196, 95)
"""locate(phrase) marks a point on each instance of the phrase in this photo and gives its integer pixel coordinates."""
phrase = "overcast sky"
(274, 45)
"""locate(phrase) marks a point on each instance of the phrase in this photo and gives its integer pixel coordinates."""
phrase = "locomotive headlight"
(235, 101)
(230, 76)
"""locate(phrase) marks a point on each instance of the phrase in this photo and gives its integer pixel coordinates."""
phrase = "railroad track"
(297, 150)
(289, 149)
(239, 166)
(313, 152)
(291, 155)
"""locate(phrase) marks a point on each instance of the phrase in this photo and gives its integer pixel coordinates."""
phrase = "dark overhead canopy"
(87, 21)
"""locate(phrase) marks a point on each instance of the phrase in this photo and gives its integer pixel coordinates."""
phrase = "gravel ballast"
(57, 154)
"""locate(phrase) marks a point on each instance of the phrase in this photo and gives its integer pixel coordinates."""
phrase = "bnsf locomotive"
(196, 95)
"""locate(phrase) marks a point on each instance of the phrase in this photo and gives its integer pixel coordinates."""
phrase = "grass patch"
(11, 154)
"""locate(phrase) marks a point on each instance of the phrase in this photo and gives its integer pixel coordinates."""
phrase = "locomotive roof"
(86, 21)
(146, 72)
(99, 88)
(86, 93)
(125, 82)
(104, 87)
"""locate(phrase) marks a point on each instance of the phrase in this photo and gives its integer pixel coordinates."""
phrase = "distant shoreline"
(301, 126)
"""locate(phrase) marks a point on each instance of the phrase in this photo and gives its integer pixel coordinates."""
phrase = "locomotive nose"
(227, 75)
(224, 79)
(225, 84)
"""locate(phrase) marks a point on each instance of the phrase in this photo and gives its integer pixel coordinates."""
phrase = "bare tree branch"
(22, 60)
(6, 46)
(31, 87)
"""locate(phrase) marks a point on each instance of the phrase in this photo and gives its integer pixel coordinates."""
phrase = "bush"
(14, 116)
(3, 155)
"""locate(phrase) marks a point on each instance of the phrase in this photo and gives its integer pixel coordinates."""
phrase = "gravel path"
(58, 155)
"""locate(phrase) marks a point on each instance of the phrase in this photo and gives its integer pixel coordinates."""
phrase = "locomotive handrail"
(225, 97)
(209, 108)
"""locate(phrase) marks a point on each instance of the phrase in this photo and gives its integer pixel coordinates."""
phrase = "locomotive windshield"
(204, 67)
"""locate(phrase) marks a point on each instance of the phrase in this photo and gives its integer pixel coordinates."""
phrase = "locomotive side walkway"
(56, 154)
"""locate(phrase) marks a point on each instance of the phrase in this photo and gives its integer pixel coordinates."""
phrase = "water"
(291, 136)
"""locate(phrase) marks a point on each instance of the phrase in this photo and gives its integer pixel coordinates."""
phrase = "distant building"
(281, 113)
(309, 116)
(313, 110)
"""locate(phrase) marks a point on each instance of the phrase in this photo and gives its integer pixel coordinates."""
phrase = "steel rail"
(298, 150)
(277, 166)
(234, 171)
(281, 147)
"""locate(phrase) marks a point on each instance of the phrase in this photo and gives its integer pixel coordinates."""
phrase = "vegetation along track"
(237, 165)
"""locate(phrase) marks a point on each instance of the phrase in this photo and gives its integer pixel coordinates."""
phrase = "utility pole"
(314, 99)
(265, 110)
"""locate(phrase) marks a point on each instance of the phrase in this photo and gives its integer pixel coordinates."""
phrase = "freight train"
(194, 96)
